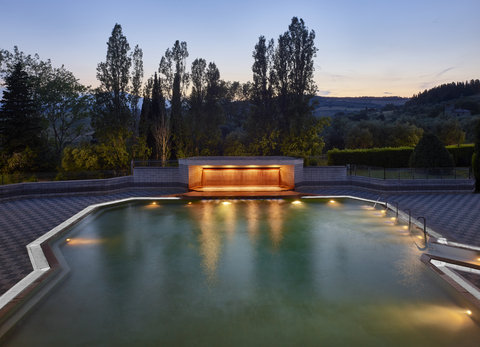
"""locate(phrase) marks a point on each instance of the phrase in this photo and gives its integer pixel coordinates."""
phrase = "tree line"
(48, 120)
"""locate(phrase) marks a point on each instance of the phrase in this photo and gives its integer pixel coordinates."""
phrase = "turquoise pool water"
(246, 273)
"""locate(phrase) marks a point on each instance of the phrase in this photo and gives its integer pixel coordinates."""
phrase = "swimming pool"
(246, 272)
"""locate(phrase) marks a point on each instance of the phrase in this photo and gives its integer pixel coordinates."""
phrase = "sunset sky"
(374, 48)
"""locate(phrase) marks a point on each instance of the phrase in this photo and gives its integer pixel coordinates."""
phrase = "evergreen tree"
(476, 157)
(20, 123)
(430, 152)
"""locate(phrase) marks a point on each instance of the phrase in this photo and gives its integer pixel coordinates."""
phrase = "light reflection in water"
(252, 219)
(230, 220)
(79, 241)
(411, 316)
(210, 243)
(275, 222)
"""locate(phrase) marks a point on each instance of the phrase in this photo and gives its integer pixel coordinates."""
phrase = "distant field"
(329, 106)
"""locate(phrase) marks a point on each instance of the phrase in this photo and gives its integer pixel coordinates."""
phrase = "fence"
(155, 163)
(20, 177)
(410, 173)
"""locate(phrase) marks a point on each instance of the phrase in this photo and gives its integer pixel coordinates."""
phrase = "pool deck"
(455, 216)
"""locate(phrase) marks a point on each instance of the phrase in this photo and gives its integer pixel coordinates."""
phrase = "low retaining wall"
(158, 177)
(330, 176)
(173, 177)
(64, 187)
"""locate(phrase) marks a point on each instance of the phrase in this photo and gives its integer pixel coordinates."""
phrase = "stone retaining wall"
(64, 187)
(175, 177)
(158, 177)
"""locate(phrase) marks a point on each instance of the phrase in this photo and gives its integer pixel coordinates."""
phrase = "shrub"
(383, 157)
(430, 152)
(462, 155)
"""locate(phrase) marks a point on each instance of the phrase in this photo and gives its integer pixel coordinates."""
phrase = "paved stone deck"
(456, 216)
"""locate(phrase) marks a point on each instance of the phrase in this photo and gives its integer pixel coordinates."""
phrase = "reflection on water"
(275, 222)
(252, 216)
(81, 241)
(210, 240)
(218, 222)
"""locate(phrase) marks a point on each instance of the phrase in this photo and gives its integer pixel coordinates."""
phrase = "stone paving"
(455, 216)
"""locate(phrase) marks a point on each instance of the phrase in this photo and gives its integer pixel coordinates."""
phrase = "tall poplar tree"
(113, 111)
(137, 77)
(176, 79)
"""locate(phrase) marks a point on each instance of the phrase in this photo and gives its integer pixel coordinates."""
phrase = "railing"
(390, 205)
(20, 177)
(410, 173)
(155, 163)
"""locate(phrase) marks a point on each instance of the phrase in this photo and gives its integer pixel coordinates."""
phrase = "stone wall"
(158, 177)
(177, 177)
(64, 187)
(320, 175)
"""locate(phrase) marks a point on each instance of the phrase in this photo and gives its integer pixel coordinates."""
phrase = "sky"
(365, 48)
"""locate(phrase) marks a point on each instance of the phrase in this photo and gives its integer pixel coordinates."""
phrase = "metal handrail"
(424, 228)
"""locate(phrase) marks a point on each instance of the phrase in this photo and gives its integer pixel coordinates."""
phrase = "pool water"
(246, 273)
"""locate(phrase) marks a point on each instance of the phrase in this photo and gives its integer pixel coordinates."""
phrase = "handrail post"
(409, 218)
(424, 228)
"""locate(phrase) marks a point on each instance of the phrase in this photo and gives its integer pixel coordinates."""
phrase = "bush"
(462, 155)
(430, 152)
(383, 157)
(476, 172)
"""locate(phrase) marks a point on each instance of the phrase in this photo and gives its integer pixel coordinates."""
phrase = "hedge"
(462, 155)
(392, 157)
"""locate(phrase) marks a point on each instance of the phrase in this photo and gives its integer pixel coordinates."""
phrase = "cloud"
(444, 71)
(324, 92)
(387, 93)
(434, 78)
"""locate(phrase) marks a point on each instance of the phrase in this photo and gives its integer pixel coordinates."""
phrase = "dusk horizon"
(368, 49)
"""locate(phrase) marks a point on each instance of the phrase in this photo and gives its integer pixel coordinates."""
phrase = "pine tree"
(20, 123)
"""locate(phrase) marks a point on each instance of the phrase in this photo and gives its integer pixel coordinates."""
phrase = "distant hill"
(329, 106)
(446, 92)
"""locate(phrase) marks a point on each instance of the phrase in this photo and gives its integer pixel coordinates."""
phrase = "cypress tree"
(430, 152)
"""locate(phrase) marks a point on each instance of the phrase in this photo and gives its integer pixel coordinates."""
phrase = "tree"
(195, 121)
(261, 122)
(476, 158)
(137, 77)
(160, 127)
(20, 122)
(430, 152)
(64, 103)
(294, 68)
(359, 137)
(450, 132)
(114, 75)
(144, 123)
(176, 79)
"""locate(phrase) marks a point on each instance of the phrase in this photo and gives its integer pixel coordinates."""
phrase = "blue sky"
(376, 48)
